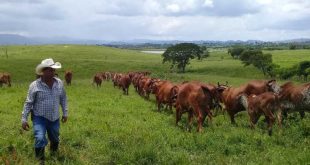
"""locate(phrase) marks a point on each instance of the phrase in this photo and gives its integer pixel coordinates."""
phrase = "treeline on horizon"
(218, 45)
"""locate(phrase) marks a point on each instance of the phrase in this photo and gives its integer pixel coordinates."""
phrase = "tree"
(307, 71)
(272, 69)
(302, 69)
(179, 55)
(292, 46)
(205, 53)
(259, 60)
(235, 52)
(287, 73)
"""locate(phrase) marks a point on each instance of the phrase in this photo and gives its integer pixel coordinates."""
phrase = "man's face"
(48, 72)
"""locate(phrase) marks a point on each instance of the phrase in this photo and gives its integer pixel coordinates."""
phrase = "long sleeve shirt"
(44, 101)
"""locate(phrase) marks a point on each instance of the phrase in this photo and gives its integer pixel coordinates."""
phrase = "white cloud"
(158, 19)
(208, 3)
(174, 8)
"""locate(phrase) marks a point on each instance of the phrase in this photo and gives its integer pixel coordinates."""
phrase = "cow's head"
(220, 89)
(273, 86)
(154, 85)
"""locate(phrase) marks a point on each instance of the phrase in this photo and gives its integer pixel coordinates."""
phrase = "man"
(43, 99)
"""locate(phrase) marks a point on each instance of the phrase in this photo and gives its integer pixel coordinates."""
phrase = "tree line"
(179, 56)
(263, 62)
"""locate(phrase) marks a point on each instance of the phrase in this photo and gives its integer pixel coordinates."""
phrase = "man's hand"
(64, 119)
(25, 126)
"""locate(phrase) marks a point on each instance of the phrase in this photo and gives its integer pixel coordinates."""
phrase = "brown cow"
(135, 80)
(97, 79)
(165, 94)
(231, 96)
(147, 88)
(266, 103)
(196, 100)
(295, 98)
(5, 78)
(124, 82)
(141, 82)
(116, 79)
(216, 95)
(68, 76)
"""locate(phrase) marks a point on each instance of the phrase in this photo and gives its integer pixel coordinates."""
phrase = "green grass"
(106, 127)
(288, 58)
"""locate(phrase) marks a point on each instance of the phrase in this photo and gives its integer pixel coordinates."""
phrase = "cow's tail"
(174, 93)
(208, 93)
(243, 100)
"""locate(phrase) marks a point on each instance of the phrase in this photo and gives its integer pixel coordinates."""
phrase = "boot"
(54, 148)
(40, 154)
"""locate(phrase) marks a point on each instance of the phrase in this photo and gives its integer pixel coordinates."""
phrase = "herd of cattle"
(257, 97)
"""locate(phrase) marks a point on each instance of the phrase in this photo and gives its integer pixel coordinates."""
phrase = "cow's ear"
(206, 90)
(220, 89)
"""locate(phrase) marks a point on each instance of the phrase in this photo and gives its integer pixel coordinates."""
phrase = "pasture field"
(106, 127)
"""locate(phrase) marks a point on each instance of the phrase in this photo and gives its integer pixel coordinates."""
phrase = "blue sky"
(157, 19)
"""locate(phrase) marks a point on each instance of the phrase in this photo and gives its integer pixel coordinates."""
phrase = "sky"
(119, 20)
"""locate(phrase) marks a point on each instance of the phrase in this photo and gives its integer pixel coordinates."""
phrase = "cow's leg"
(251, 117)
(279, 117)
(147, 95)
(203, 117)
(177, 115)
(285, 114)
(206, 113)
(190, 119)
(270, 118)
(199, 116)
(158, 105)
(232, 118)
(302, 114)
(170, 107)
(256, 117)
(252, 123)
(210, 115)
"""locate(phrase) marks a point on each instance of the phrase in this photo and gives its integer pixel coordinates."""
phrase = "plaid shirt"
(44, 101)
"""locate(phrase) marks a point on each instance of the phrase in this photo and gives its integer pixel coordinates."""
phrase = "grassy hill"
(106, 127)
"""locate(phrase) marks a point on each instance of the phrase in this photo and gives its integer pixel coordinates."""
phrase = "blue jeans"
(42, 125)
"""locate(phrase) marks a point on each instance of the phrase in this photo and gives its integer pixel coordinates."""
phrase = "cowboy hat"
(47, 63)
